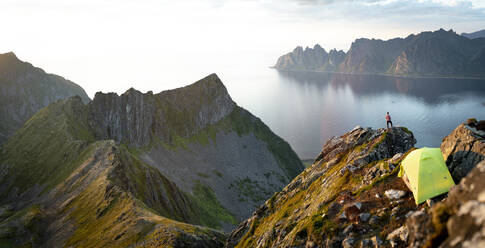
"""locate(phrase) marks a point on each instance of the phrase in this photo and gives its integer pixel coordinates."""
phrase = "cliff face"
(140, 119)
(371, 56)
(139, 169)
(25, 89)
(341, 200)
(439, 53)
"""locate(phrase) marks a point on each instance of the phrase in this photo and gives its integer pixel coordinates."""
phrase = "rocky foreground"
(351, 197)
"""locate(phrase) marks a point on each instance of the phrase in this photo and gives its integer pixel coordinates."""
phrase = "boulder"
(462, 150)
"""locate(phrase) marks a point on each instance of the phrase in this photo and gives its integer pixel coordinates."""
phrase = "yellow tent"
(426, 174)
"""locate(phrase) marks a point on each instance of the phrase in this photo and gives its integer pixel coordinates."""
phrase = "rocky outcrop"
(329, 205)
(438, 53)
(24, 89)
(463, 149)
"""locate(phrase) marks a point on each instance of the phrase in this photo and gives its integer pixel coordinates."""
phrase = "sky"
(112, 45)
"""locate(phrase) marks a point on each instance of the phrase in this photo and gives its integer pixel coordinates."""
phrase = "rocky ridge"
(24, 89)
(139, 169)
(474, 35)
(438, 53)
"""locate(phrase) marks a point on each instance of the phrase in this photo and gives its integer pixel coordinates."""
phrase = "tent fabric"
(427, 173)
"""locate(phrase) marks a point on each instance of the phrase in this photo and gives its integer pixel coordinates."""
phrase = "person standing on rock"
(388, 120)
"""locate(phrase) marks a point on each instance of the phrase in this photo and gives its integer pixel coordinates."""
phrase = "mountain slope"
(197, 135)
(438, 53)
(139, 168)
(25, 89)
(477, 34)
(340, 200)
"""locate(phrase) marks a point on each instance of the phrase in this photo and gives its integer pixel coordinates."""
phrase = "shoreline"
(383, 74)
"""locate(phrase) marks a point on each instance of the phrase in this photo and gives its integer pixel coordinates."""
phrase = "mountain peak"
(132, 91)
(298, 49)
(8, 60)
(10, 55)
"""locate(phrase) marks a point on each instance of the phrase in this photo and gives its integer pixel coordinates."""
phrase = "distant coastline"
(381, 74)
(438, 54)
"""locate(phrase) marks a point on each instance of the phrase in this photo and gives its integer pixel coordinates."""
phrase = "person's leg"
(391, 123)
(387, 124)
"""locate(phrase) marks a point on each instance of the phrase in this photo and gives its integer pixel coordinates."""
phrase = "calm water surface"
(306, 108)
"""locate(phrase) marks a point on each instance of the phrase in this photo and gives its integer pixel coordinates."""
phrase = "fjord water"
(308, 108)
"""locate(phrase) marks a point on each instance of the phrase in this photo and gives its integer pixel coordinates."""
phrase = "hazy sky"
(111, 45)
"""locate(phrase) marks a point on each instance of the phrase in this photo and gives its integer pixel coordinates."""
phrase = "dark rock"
(462, 150)
(364, 217)
(480, 126)
(334, 242)
(472, 122)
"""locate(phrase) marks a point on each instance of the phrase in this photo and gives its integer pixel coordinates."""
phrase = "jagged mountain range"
(24, 89)
(438, 53)
(156, 170)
